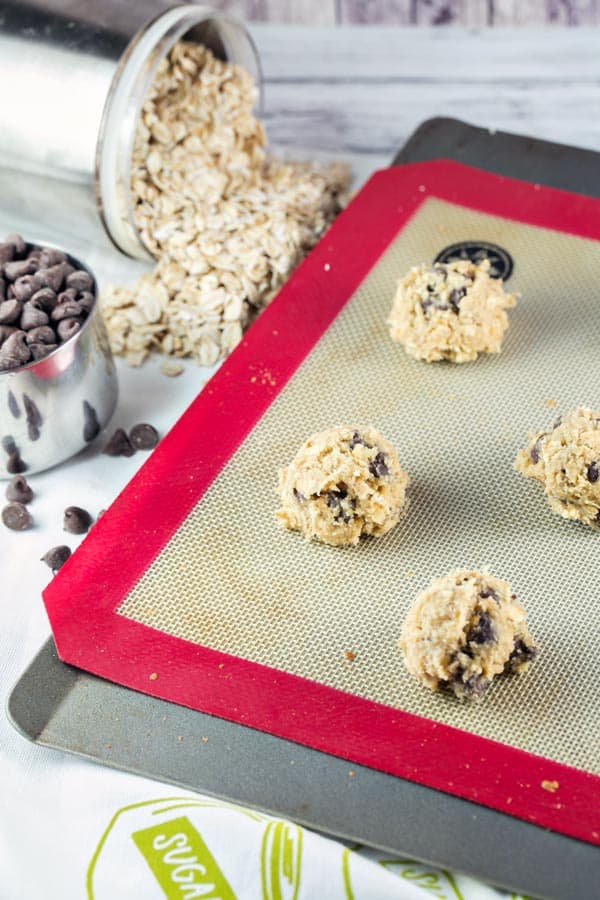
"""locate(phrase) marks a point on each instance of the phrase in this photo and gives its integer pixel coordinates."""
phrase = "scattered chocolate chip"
(378, 466)
(13, 406)
(91, 425)
(76, 520)
(56, 557)
(593, 472)
(483, 631)
(143, 436)
(119, 445)
(19, 490)
(16, 517)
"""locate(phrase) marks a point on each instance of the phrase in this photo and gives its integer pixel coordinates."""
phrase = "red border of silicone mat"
(82, 599)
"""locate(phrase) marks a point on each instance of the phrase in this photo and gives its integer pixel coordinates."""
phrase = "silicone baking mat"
(213, 606)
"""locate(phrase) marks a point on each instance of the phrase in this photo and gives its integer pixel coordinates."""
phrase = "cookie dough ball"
(343, 483)
(566, 462)
(463, 631)
(450, 311)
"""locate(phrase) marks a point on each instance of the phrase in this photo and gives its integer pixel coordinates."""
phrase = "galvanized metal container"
(52, 408)
(67, 123)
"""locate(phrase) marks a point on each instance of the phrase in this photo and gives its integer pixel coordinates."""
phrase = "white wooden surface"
(358, 93)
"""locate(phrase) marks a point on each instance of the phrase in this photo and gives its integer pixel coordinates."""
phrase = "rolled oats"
(226, 222)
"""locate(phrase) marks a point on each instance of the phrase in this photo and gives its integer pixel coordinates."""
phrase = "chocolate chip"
(67, 328)
(378, 466)
(298, 496)
(43, 334)
(8, 444)
(56, 557)
(19, 490)
(143, 436)
(26, 287)
(52, 277)
(40, 351)
(16, 517)
(80, 280)
(534, 453)
(2, 287)
(7, 252)
(15, 347)
(19, 267)
(455, 297)
(426, 304)
(10, 311)
(473, 688)
(334, 500)
(6, 331)
(50, 257)
(119, 445)
(47, 298)
(13, 405)
(33, 316)
(17, 242)
(91, 425)
(76, 520)
(521, 653)
(593, 472)
(66, 308)
(489, 592)
(483, 631)
(86, 301)
(357, 440)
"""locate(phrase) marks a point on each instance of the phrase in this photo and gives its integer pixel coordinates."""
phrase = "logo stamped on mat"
(501, 262)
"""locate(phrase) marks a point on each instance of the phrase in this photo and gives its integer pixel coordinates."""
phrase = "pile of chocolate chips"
(44, 301)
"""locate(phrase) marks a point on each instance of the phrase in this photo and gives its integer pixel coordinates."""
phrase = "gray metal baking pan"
(61, 707)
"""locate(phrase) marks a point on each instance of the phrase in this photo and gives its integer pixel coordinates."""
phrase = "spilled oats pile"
(225, 222)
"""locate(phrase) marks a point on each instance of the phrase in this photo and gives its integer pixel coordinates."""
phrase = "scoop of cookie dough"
(450, 311)
(343, 483)
(566, 462)
(463, 631)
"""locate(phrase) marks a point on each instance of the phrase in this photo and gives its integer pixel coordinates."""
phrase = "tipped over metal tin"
(52, 408)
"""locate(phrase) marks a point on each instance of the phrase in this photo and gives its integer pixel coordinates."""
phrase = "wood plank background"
(416, 12)
(471, 13)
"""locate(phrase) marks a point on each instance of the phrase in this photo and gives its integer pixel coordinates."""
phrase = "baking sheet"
(53, 700)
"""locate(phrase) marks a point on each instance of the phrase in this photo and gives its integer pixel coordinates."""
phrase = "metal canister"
(52, 408)
(73, 92)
